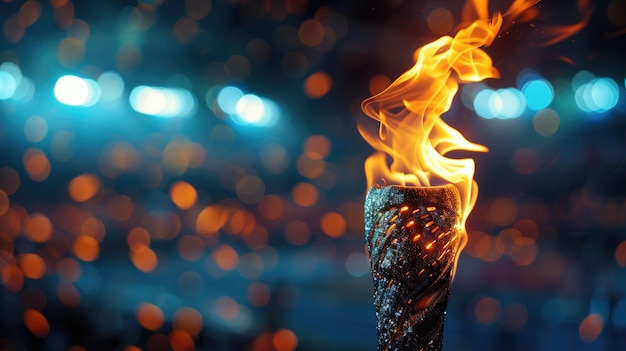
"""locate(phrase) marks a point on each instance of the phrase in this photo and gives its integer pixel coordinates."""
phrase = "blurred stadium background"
(180, 175)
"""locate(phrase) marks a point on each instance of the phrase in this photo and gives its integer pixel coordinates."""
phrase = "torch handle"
(412, 237)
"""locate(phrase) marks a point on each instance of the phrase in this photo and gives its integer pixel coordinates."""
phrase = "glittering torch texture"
(411, 235)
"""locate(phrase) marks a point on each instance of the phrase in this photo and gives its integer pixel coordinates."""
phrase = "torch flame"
(409, 111)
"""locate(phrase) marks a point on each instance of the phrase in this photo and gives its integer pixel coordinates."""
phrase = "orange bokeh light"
(271, 207)
(305, 194)
(138, 238)
(86, 248)
(57, 3)
(190, 247)
(68, 295)
(211, 219)
(227, 308)
(83, 187)
(503, 211)
(180, 340)
(591, 327)
(68, 269)
(38, 228)
(487, 310)
(149, 316)
(226, 257)
(284, 340)
(189, 320)
(258, 294)
(120, 207)
(333, 224)
(37, 164)
(183, 195)
(310, 165)
(29, 13)
(9, 180)
(32, 265)
(297, 232)
(36, 323)
(12, 277)
(318, 144)
(311, 32)
(93, 227)
(378, 83)
(145, 259)
(317, 85)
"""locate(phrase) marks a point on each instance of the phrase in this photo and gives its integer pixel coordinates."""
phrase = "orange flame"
(409, 111)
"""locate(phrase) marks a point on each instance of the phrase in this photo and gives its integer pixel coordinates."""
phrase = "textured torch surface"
(412, 235)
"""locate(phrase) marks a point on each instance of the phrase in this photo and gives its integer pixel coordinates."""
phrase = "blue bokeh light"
(272, 112)
(538, 93)
(76, 91)
(503, 104)
(10, 78)
(605, 93)
(512, 101)
(163, 102)
(581, 78)
(228, 98)
(250, 109)
(583, 98)
(597, 96)
(111, 85)
(25, 90)
(483, 102)
(253, 110)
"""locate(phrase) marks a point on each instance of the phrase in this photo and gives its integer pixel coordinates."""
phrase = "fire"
(412, 135)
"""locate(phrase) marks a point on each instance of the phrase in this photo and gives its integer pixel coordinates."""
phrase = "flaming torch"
(415, 230)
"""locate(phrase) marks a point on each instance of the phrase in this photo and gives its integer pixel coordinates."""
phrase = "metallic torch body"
(412, 236)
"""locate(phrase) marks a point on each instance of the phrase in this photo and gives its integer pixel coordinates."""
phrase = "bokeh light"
(484, 104)
(252, 110)
(35, 129)
(150, 316)
(76, 91)
(83, 187)
(228, 98)
(591, 327)
(317, 85)
(183, 194)
(163, 102)
(36, 323)
(440, 21)
(503, 103)
(546, 122)
(284, 340)
(538, 93)
(487, 310)
(111, 86)
(598, 95)
(10, 78)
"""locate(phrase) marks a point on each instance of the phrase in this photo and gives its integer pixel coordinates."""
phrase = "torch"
(415, 230)
(412, 235)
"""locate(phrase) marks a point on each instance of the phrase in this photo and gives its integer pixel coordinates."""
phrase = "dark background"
(267, 272)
